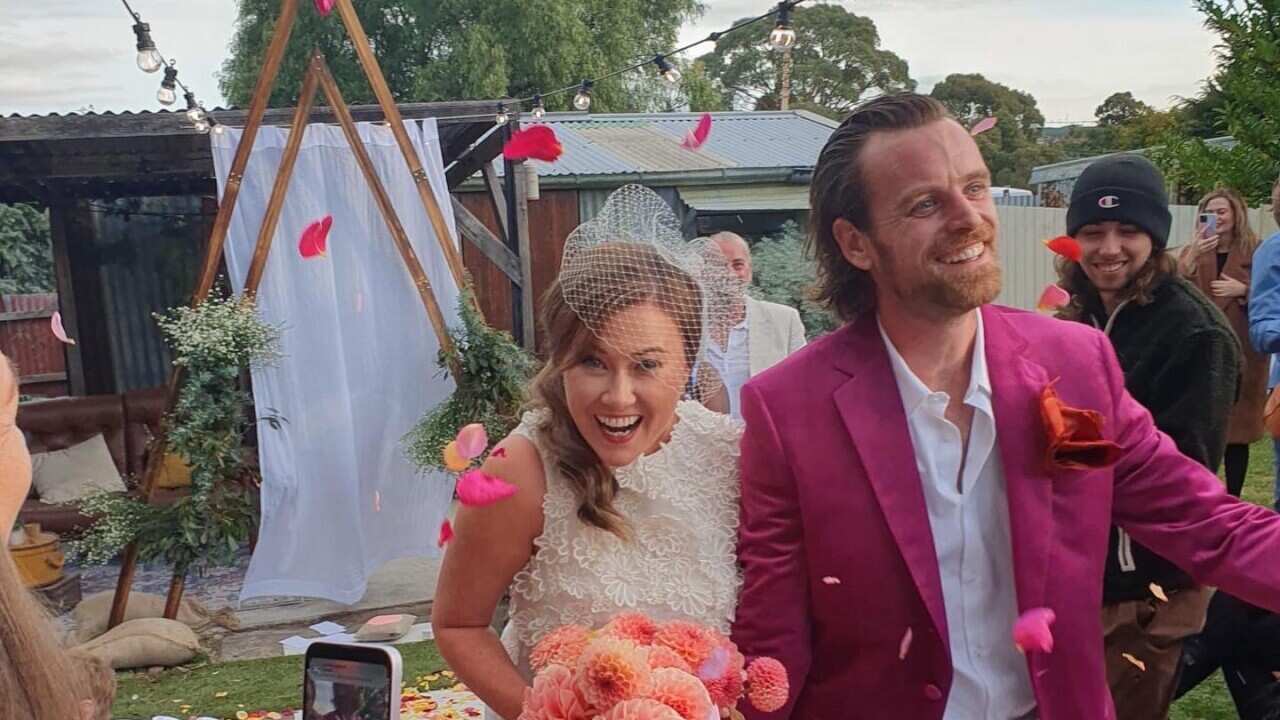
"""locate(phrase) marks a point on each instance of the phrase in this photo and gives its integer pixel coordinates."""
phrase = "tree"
(836, 61)
(1120, 108)
(432, 50)
(1248, 81)
(26, 253)
(1012, 148)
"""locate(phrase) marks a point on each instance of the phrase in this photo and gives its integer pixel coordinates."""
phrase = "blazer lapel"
(1207, 272)
(871, 408)
(757, 336)
(1016, 384)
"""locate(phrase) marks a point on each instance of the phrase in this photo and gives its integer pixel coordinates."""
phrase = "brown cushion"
(64, 422)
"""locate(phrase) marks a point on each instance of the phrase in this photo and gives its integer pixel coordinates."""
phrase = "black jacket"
(1182, 362)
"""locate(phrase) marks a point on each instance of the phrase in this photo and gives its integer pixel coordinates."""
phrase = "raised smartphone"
(344, 681)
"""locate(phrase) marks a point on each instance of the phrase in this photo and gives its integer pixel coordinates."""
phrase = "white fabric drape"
(339, 498)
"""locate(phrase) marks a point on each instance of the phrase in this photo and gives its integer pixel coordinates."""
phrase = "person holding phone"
(1219, 262)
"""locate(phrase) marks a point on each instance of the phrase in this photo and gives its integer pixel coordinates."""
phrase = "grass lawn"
(1211, 701)
(276, 683)
(269, 684)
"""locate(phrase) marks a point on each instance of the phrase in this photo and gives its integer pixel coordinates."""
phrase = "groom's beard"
(947, 291)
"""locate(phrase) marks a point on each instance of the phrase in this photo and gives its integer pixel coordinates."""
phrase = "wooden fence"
(26, 339)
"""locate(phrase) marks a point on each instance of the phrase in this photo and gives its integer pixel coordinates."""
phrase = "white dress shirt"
(733, 364)
(970, 524)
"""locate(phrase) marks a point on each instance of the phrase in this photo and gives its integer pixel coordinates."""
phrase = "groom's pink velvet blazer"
(838, 553)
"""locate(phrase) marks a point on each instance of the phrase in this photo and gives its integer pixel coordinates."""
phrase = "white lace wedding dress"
(681, 561)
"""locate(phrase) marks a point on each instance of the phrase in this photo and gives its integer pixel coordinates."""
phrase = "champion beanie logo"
(1108, 201)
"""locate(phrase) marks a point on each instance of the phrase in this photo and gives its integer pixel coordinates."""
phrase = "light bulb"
(538, 108)
(582, 100)
(218, 128)
(166, 95)
(782, 37)
(502, 118)
(666, 70)
(195, 115)
(672, 76)
(202, 127)
(149, 60)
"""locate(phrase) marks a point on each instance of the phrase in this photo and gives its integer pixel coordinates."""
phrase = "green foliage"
(836, 61)
(784, 274)
(465, 49)
(1120, 108)
(1247, 84)
(1011, 148)
(26, 253)
(213, 342)
(494, 371)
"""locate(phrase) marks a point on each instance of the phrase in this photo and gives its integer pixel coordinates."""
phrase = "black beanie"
(1123, 188)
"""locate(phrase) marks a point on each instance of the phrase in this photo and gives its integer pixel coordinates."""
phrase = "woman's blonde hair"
(566, 334)
(1242, 235)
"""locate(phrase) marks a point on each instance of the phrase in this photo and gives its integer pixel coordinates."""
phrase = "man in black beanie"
(1180, 361)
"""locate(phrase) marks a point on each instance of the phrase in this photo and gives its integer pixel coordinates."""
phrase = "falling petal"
(1052, 298)
(453, 460)
(1136, 662)
(537, 142)
(55, 324)
(498, 453)
(477, 488)
(831, 580)
(315, 238)
(472, 440)
(983, 125)
(324, 7)
(359, 302)
(1067, 247)
(1158, 592)
(695, 138)
(1031, 631)
(905, 644)
(220, 694)
(446, 533)
(377, 501)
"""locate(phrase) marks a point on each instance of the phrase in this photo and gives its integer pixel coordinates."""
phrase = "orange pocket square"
(1075, 436)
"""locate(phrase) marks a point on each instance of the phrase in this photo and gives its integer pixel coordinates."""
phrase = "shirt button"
(932, 692)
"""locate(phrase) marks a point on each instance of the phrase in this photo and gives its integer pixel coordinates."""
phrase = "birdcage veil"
(633, 253)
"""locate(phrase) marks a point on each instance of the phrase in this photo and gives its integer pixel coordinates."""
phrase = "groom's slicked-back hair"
(839, 190)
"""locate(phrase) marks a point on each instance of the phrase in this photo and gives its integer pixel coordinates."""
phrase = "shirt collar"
(914, 392)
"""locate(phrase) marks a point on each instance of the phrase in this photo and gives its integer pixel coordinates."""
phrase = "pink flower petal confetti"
(1158, 592)
(831, 580)
(498, 453)
(477, 488)
(982, 126)
(1135, 661)
(324, 7)
(471, 441)
(55, 324)
(904, 646)
(446, 533)
(315, 238)
(377, 501)
(1052, 299)
(1031, 631)
(695, 138)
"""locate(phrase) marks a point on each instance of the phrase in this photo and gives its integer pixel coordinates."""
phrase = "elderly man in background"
(764, 334)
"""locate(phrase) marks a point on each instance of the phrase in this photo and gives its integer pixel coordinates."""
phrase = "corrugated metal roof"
(1071, 169)
(650, 143)
(746, 198)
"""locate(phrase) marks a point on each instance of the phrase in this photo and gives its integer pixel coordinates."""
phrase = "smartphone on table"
(1208, 224)
(351, 682)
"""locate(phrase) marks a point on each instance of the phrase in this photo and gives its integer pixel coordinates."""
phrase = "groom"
(904, 501)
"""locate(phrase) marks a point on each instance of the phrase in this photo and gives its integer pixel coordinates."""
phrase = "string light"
(217, 127)
(538, 109)
(195, 113)
(582, 100)
(149, 59)
(783, 36)
(666, 70)
(167, 94)
(503, 117)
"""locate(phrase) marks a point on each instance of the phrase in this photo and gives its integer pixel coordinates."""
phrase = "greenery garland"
(213, 342)
(494, 372)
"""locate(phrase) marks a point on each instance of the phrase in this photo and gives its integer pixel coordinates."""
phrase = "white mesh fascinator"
(633, 254)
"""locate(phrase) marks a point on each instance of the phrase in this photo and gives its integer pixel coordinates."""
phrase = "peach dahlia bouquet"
(635, 668)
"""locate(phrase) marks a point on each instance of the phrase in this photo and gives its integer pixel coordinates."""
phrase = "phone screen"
(1208, 224)
(347, 690)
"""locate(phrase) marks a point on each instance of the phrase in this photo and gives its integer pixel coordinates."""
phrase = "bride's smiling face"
(623, 386)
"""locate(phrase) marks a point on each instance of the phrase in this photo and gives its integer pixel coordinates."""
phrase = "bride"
(627, 491)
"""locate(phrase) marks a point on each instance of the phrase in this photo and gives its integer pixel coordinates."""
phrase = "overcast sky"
(68, 55)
